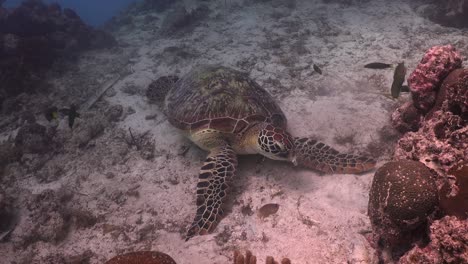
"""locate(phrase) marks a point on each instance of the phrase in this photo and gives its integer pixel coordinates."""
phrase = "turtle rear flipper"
(214, 179)
(316, 155)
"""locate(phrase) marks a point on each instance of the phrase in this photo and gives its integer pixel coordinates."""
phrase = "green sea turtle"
(226, 113)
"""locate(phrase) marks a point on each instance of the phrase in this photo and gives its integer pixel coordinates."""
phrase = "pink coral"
(425, 80)
(440, 143)
(457, 92)
(449, 244)
(407, 118)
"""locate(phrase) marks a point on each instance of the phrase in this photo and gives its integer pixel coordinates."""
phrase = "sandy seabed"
(108, 198)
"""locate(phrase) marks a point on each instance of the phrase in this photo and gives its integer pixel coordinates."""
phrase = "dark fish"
(317, 69)
(398, 79)
(377, 65)
(51, 113)
(71, 113)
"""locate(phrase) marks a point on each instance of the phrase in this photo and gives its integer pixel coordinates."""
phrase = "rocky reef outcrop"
(434, 127)
(35, 35)
(448, 243)
(435, 123)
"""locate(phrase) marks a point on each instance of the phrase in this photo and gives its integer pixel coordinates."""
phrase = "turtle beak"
(294, 160)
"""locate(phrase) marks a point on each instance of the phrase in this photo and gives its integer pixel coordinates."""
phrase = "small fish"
(71, 113)
(51, 113)
(377, 65)
(317, 69)
(398, 79)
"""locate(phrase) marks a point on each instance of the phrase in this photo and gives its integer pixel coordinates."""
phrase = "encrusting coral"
(454, 196)
(438, 117)
(449, 244)
(425, 80)
(435, 127)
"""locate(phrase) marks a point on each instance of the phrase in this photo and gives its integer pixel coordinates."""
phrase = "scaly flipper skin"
(214, 178)
(315, 155)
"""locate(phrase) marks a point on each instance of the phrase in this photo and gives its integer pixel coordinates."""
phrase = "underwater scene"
(233, 131)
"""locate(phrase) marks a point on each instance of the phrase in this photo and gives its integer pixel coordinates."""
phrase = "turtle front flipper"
(214, 179)
(315, 155)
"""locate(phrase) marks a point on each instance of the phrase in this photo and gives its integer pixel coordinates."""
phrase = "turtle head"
(275, 143)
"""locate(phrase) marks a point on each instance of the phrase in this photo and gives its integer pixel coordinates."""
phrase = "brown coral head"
(454, 198)
(403, 194)
(142, 257)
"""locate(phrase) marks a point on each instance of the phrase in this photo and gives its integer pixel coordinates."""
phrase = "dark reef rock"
(33, 36)
(449, 244)
(402, 198)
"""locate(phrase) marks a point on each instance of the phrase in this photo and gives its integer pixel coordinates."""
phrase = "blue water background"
(93, 12)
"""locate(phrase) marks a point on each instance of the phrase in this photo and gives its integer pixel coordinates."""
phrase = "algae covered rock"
(402, 196)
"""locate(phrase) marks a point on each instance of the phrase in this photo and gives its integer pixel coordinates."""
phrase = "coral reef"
(142, 257)
(440, 143)
(407, 118)
(33, 36)
(455, 93)
(157, 90)
(438, 118)
(454, 196)
(425, 80)
(449, 244)
(402, 197)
